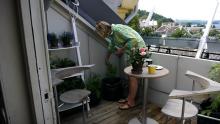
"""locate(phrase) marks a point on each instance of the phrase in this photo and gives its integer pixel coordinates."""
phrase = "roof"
(97, 10)
(166, 29)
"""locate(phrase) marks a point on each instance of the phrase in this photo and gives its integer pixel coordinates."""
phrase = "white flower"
(143, 53)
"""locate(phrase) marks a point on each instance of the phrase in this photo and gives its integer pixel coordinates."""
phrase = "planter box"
(203, 119)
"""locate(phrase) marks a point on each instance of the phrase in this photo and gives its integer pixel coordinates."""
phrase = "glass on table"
(148, 62)
(152, 69)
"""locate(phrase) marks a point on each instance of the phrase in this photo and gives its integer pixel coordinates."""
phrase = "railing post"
(158, 50)
(206, 55)
(168, 51)
(148, 46)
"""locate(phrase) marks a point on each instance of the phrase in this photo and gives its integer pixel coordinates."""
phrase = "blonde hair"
(103, 29)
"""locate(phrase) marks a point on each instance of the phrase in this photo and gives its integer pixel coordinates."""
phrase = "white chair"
(179, 108)
(76, 95)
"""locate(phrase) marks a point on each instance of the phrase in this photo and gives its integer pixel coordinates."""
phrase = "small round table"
(145, 75)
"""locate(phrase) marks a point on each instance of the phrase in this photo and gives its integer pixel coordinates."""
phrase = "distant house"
(167, 29)
(170, 24)
(194, 30)
(143, 23)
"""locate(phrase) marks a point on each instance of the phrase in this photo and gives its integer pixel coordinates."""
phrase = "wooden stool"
(76, 96)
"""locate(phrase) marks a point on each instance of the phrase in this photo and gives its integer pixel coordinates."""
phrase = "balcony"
(157, 93)
(93, 50)
(26, 88)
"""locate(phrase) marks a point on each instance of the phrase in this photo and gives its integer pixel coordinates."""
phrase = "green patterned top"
(124, 36)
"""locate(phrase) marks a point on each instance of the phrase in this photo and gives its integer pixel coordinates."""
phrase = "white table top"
(144, 74)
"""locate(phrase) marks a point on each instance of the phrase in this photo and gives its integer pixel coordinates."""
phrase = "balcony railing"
(184, 52)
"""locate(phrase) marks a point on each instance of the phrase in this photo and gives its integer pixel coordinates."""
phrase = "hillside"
(142, 14)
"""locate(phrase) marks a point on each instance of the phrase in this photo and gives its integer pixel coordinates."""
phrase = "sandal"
(122, 101)
(126, 106)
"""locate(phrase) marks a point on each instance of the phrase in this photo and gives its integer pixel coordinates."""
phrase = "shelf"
(63, 48)
(74, 70)
(74, 75)
(66, 106)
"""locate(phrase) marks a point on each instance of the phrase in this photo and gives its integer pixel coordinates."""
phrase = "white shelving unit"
(63, 48)
(65, 106)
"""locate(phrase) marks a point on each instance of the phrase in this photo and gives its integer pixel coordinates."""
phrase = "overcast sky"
(182, 9)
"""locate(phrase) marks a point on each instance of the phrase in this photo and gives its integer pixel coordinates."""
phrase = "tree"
(180, 33)
(214, 33)
(142, 14)
(147, 31)
(188, 24)
(213, 26)
(134, 23)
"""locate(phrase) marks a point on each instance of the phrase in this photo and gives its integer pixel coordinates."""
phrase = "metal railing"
(184, 52)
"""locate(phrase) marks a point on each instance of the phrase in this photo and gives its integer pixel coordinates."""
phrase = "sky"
(182, 9)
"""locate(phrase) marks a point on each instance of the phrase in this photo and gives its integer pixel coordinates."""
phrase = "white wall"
(160, 88)
(57, 23)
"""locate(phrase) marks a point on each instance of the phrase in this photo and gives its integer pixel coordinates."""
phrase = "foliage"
(214, 107)
(196, 33)
(214, 74)
(69, 84)
(147, 32)
(66, 38)
(94, 85)
(214, 33)
(111, 70)
(61, 63)
(142, 14)
(180, 33)
(138, 55)
(52, 39)
(134, 23)
(188, 24)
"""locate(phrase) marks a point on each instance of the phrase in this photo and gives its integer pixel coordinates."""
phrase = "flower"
(138, 55)
(142, 49)
(143, 53)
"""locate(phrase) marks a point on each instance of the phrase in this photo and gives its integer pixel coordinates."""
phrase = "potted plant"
(136, 59)
(211, 106)
(56, 62)
(52, 40)
(93, 84)
(66, 39)
(111, 84)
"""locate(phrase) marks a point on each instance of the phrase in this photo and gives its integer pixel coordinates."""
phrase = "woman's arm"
(108, 55)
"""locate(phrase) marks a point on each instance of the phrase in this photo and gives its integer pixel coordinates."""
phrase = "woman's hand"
(119, 52)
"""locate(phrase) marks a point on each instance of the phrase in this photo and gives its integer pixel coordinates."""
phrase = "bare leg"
(133, 85)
